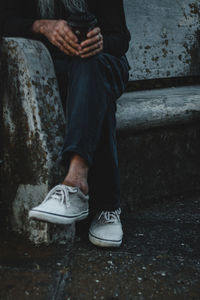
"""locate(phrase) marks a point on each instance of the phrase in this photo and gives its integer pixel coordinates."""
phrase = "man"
(97, 73)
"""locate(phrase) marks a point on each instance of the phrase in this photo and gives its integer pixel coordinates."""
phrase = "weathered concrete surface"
(165, 38)
(28, 271)
(33, 128)
(159, 144)
(166, 122)
(159, 259)
(155, 108)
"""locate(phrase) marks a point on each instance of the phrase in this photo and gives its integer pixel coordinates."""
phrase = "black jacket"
(17, 17)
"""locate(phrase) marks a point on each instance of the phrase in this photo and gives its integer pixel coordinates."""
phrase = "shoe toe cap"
(107, 232)
(51, 207)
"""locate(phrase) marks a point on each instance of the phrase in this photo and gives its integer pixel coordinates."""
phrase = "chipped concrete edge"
(33, 122)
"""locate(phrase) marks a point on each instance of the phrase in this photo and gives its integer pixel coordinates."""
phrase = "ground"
(159, 259)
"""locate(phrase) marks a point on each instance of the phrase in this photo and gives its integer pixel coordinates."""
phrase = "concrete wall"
(164, 38)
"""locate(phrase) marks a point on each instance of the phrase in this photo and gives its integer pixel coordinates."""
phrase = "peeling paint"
(194, 8)
(166, 42)
(164, 52)
(155, 58)
(167, 25)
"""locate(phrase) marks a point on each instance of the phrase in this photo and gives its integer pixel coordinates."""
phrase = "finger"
(90, 41)
(63, 49)
(67, 52)
(92, 47)
(68, 31)
(69, 43)
(65, 32)
(92, 53)
(71, 38)
(66, 43)
(68, 47)
(61, 45)
(93, 32)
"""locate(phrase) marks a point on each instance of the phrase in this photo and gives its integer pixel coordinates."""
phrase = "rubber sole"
(104, 243)
(56, 219)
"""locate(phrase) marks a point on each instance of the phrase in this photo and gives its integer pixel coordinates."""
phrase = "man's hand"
(93, 44)
(59, 34)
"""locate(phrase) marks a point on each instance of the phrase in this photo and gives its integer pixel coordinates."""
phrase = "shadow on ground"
(159, 259)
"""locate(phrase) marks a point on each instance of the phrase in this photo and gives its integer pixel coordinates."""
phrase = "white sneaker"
(62, 205)
(106, 229)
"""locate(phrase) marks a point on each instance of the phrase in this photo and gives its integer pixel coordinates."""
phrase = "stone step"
(159, 107)
(159, 144)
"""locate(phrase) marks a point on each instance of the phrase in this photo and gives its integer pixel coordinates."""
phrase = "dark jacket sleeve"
(112, 21)
(17, 17)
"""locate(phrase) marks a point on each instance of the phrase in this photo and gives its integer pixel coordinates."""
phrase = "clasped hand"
(59, 33)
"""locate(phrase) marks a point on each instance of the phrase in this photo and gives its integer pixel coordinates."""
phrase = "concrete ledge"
(155, 108)
(159, 144)
(33, 127)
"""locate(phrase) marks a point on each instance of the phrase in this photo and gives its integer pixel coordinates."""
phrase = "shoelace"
(61, 193)
(110, 216)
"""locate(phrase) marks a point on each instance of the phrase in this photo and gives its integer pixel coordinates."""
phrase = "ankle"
(77, 162)
(75, 183)
(77, 174)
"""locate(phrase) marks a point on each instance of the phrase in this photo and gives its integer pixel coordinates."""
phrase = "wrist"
(38, 26)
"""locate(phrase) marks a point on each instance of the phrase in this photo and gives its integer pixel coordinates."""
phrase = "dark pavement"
(159, 259)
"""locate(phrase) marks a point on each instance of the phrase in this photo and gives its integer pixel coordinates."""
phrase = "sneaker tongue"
(71, 189)
(108, 217)
(110, 221)
(58, 192)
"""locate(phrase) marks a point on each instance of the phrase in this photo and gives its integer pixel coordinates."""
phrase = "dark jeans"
(93, 85)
